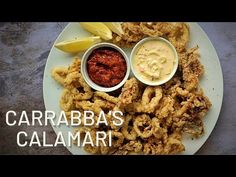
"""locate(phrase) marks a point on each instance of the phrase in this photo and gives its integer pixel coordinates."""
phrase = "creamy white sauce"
(154, 60)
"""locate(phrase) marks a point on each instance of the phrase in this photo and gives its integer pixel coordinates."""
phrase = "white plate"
(211, 82)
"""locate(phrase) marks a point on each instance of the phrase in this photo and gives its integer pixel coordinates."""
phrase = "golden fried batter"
(131, 146)
(129, 134)
(59, 74)
(106, 96)
(150, 99)
(129, 92)
(176, 33)
(66, 101)
(151, 29)
(155, 118)
(143, 126)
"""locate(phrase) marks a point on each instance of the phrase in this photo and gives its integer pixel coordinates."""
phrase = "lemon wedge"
(115, 27)
(77, 45)
(97, 28)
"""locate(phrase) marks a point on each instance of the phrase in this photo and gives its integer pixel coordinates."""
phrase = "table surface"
(24, 48)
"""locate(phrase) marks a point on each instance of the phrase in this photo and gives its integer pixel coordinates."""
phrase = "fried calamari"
(176, 33)
(155, 118)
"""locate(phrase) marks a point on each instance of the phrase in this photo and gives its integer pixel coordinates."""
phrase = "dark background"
(24, 48)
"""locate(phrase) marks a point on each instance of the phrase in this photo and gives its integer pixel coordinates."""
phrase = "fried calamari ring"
(195, 105)
(180, 100)
(106, 106)
(191, 82)
(159, 132)
(188, 117)
(153, 146)
(66, 101)
(132, 35)
(177, 33)
(59, 74)
(194, 62)
(201, 104)
(79, 88)
(135, 146)
(106, 96)
(97, 106)
(150, 29)
(132, 146)
(165, 28)
(166, 107)
(182, 92)
(149, 102)
(173, 145)
(169, 86)
(192, 69)
(75, 66)
(132, 32)
(96, 109)
(95, 118)
(118, 40)
(134, 27)
(112, 121)
(91, 149)
(185, 106)
(117, 138)
(88, 106)
(88, 147)
(180, 36)
(104, 149)
(143, 126)
(132, 107)
(73, 80)
(151, 98)
(129, 92)
(129, 135)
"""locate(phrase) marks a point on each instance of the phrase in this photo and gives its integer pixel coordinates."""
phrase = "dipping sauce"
(106, 67)
(154, 60)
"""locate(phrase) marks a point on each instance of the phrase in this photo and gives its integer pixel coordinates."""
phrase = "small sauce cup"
(139, 76)
(84, 69)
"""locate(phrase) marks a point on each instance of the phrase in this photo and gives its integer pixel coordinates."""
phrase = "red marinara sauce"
(106, 67)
